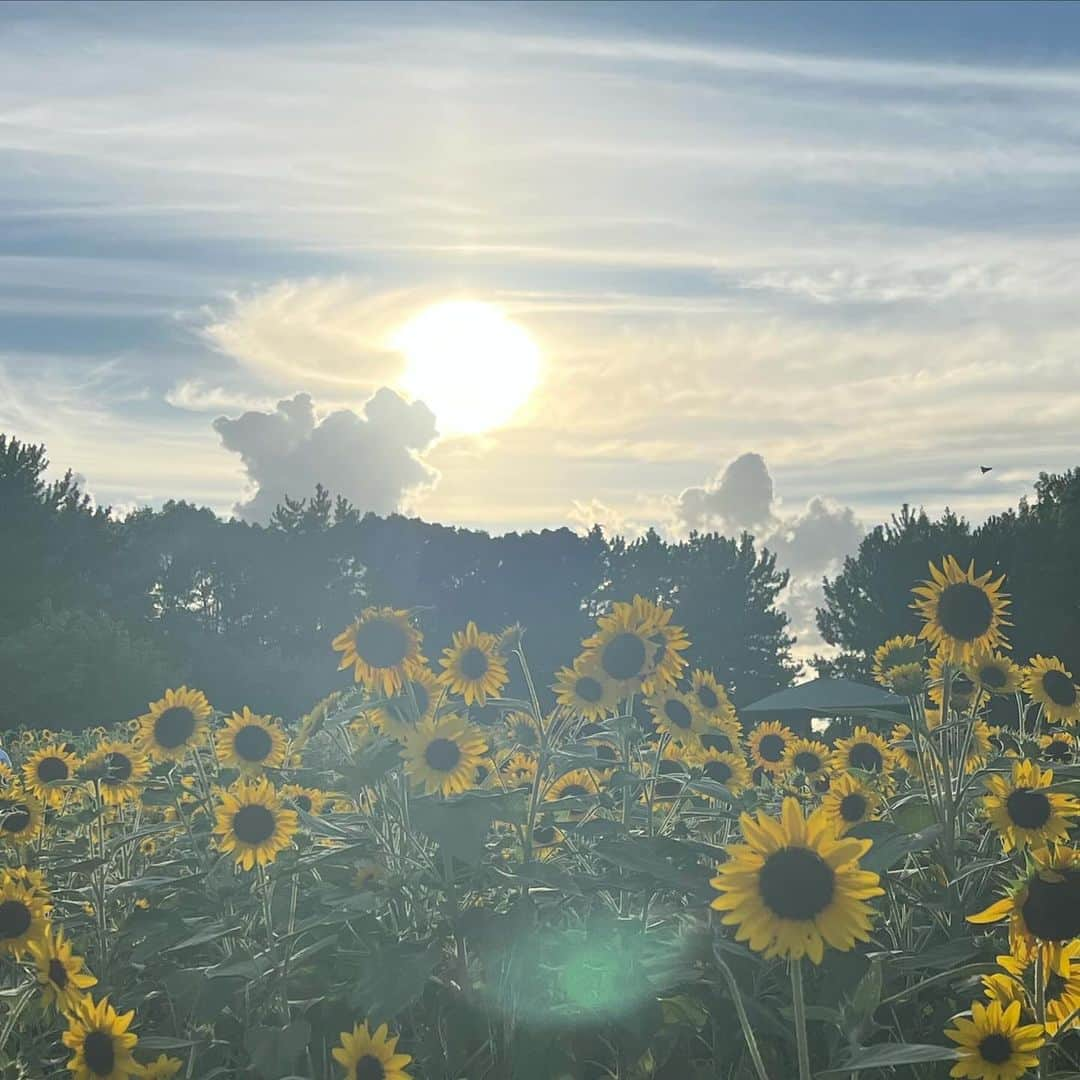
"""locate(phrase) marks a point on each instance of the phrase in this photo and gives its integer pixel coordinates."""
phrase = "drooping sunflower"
(980, 746)
(585, 690)
(809, 757)
(670, 640)
(1024, 812)
(711, 698)
(895, 653)
(473, 666)
(546, 839)
(1058, 747)
(382, 647)
(417, 702)
(600, 740)
(163, 1069)
(993, 1044)
(310, 800)
(962, 691)
(365, 1056)
(174, 724)
(1050, 684)
(519, 770)
(62, 975)
(522, 731)
(725, 768)
(47, 767)
(250, 743)
(908, 680)
(995, 673)
(724, 738)
(794, 887)
(102, 1043)
(314, 721)
(575, 784)
(677, 715)
(252, 824)
(623, 649)
(21, 815)
(1061, 988)
(867, 752)
(442, 755)
(22, 915)
(964, 613)
(769, 744)
(850, 802)
(120, 767)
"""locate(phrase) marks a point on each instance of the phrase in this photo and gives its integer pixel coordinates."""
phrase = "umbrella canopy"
(828, 697)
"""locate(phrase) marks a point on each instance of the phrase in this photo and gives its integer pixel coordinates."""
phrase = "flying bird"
(984, 469)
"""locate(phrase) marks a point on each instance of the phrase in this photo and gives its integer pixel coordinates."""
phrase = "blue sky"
(839, 236)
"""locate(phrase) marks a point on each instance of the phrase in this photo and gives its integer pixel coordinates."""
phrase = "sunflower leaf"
(888, 1055)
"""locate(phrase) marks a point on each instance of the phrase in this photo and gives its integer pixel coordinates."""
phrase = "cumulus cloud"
(372, 458)
(740, 498)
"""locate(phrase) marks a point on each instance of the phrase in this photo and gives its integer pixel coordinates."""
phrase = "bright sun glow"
(469, 364)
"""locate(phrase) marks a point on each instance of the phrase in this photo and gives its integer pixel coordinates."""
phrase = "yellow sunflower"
(250, 743)
(121, 768)
(34, 880)
(585, 690)
(1050, 684)
(1024, 812)
(769, 744)
(963, 612)
(669, 640)
(993, 1044)
(895, 653)
(623, 649)
(522, 731)
(867, 752)
(442, 755)
(711, 698)
(908, 680)
(575, 784)
(1058, 747)
(364, 1056)
(310, 800)
(809, 757)
(252, 824)
(102, 1043)
(676, 715)
(1061, 989)
(724, 738)
(417, 702)
(382, 647)
(45, 768)
(850, 802)
(473, 667)
(174, 724)
(995, 673)
(62, 975)
(546, 840)
(21, 815)
(23, 915)
(669, 781)
(980, 746)
(794, 887)
(519, 769)
(162, 1069)
(725, 768)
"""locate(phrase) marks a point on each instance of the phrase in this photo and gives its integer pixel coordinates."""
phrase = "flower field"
(433, 875)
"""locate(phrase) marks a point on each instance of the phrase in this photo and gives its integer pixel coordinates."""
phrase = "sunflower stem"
(16, 1012)
(798, 1004)
(744, 1020)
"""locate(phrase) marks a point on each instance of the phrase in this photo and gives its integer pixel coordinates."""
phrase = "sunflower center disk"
(995, 1049)
(679, 715)
(118, 768)
(853, 807)
(1028, 809)
(15, 919)
(544, 834)
(369, 1067)
(381, 644)
(718, 771)
(712, 740)
(16, 819)
(771, 748)
(303, 802)
(442, 755)
(253, 743)
(1052, 908)
(707, 696)
(1059, 750)
(253, 824)
(796, 883)
(573, 791)
(50, 769)
(58, 975)
(99, 1053)
(1059, 688)
(624, 656)
(866, 757)
(807, 761)
(174, 727)
(993, 677)
(474, 663)
(964, 611)
(589, 689)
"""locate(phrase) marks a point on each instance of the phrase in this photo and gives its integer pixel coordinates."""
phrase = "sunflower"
(23, 915)
(34, 880)
(522, 730)
(669, 641)
(993, 1045)
(600, 740)
(310, 800)
(850, 802)
(1049, 683)
(794, 886)
(546, 839)
(962, 692)
(585, 690)
(519, 769)
(769, 745)
(417, 702)
(908, 680)
(250, 743)
(575, 784)
(60, 972)
(1023, 812)
(895, 653)
(174, 724)
(724, 738)
(102, 1043)
(676, 715)
(994, 673)
(312, 723)
(252, 824)
(382, 647)
(867, 752)
(980, 746)
(809, 757)
(162, 1069)
(442, 755)
(120, 768)
(725, 768)
(623, 648)
(47, 767)
(1058, 747)
(1061, 988)
(963, 613)
(711, 698)
(669, 782)
(20, 815)
(364, 1056)
(473, 666)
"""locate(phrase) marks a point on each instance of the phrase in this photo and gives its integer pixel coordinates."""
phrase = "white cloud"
(740, 498)
(194, 395)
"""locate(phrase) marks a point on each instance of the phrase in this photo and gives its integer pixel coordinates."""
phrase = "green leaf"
(214, 931)
(889, 1055)
(274, 1051)
(371, 764)
(393, 978)
(891, 846)
(460, 826)
(914, 816)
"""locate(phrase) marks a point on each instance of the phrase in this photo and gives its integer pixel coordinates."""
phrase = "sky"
(786, 266)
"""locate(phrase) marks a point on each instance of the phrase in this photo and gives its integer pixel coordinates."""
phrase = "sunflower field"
(428, 877)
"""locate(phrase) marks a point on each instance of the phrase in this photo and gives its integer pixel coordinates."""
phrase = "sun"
(469, 363)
